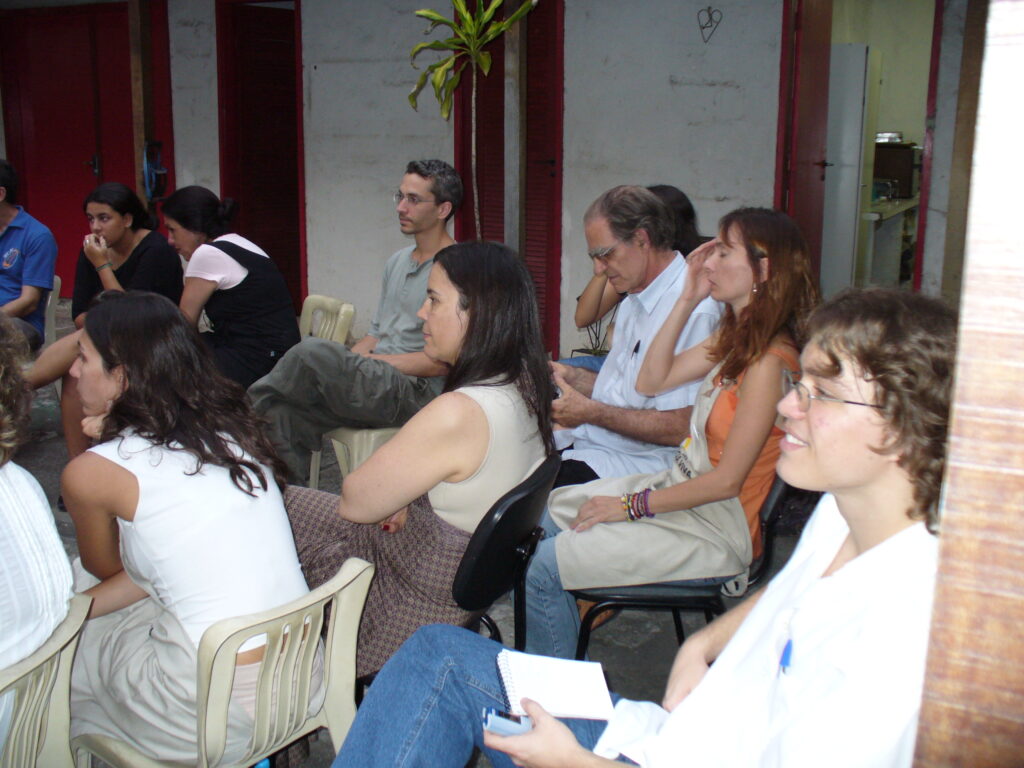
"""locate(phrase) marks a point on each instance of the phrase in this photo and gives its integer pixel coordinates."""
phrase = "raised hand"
(95, 248)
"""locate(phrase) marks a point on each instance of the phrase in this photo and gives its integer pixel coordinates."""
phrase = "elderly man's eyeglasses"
(791, 383)
(410, 199)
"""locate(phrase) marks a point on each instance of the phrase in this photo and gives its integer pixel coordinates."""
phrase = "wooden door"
(803, 116)
(259, 132)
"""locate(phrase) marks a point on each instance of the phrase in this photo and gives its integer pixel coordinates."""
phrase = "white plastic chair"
(352, 447)
(326, 318)
(41, 683)
(292, 631)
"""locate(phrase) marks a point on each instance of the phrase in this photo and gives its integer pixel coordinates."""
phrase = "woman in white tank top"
(412, 506)
(179, 514)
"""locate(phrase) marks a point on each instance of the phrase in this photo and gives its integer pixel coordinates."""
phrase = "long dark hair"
(683, 215)
(503, 340)
(197, 209)
(779, 304)
(123, 200)
(174, 394)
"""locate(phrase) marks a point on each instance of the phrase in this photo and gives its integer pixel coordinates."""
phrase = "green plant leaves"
(470, 33)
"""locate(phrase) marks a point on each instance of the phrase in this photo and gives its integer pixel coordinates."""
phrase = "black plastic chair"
(698, 595)
(501, 547)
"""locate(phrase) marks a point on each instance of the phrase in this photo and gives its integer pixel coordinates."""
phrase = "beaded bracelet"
(637, 505)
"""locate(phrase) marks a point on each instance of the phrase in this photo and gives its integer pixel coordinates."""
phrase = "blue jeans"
(552, 619)
(424, 707)
(590, 362)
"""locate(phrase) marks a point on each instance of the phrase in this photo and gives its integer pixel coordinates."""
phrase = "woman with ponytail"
(242, 291)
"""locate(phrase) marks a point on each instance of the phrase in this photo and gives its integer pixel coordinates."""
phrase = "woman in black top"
(241, 290)
(121, 251)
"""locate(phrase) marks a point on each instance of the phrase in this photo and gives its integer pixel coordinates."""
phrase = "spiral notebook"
(563, 687)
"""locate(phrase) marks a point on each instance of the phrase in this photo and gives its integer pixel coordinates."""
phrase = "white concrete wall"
(193, 39)
(647, 101)
(359, 134)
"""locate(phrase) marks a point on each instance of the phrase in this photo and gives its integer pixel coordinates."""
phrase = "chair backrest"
(50, 313)
(283, 686)
(326, 318)
(41, 685)
(490, 564)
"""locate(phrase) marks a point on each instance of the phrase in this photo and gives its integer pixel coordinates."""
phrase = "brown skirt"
(415, 568)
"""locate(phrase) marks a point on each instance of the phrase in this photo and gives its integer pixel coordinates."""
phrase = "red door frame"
(929, 145)
(223, 86)
(801, 130)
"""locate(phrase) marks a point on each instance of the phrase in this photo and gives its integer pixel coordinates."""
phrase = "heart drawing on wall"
(708, 18)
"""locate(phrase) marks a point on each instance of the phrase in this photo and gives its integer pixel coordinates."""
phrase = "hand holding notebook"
(563, 687)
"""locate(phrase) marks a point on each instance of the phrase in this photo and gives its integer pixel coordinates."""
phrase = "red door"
(259, 131)
(803, 116)
(67, 110)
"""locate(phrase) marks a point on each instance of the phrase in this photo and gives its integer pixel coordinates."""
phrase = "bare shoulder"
(90, 480)
(453, 411)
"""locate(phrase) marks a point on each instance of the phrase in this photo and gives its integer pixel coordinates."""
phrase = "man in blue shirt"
(28, 254)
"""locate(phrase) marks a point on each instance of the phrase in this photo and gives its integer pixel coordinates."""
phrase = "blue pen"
(787, 656)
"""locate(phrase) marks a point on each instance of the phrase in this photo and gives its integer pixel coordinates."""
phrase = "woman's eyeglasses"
(803, 395)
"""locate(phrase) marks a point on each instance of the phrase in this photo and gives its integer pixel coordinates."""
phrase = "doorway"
(260, 130)
(67, 110)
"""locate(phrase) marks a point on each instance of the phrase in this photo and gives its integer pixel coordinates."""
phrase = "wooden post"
(142, 112)
(973, 708)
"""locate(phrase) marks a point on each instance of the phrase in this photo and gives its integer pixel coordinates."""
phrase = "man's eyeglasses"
(804, 396)
(410, 199)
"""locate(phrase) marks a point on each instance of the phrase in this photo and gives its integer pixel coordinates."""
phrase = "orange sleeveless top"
(755, 488)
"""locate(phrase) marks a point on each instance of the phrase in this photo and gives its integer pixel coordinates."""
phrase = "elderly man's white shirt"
(639, 318)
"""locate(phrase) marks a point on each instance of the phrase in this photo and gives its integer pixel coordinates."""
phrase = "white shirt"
(35, 576)
(640, 317)
(208, 550)
(211, 263)
(852, 692)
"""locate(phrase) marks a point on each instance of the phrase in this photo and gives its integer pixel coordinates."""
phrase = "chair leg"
(492, 628)
(677, 619)
(314, 470)
(587, 626)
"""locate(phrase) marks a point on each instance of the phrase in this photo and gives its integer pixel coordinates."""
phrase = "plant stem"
(472, 156)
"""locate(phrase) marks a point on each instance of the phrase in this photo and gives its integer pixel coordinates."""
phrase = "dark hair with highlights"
(123, 200)
(197, 209)
(780, 303)
(14, 398)
(628, 209)
(905, 345)
(174, 395)
(503, 341)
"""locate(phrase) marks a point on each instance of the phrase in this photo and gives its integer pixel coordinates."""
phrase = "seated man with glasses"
(385, 378)
(617, 431)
